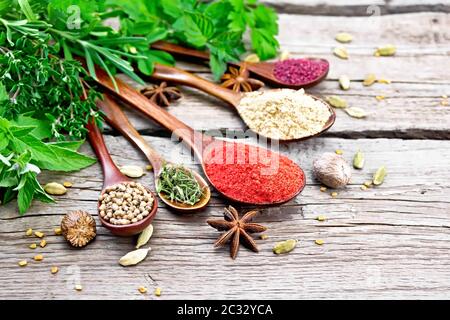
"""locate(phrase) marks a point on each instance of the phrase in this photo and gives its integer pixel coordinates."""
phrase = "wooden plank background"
(387, 242)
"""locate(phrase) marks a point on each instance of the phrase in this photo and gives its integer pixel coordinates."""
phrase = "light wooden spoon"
(176, 75)
(119, 121)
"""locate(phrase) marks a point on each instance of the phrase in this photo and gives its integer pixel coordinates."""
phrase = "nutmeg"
(332, 170)
(78, 228)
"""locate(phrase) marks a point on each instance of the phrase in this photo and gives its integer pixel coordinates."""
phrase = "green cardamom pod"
(379, 176)
(344, 82)
(145, 235)
(134, 257)
(336, 102)
(340, 52)
(344, 37)
(358, 160)
(369, 80)
(284, 246)
(356, 112)
(385, 51)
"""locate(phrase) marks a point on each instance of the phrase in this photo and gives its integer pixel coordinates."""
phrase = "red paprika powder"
(251, 174)
(300, 71)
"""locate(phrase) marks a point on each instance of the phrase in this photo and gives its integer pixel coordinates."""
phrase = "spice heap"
(283, 114)
(125, 203)
(252, 174)
(300, 71)
(179, 184)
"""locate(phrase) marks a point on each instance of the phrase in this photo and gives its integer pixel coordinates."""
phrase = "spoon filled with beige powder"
(282, 114)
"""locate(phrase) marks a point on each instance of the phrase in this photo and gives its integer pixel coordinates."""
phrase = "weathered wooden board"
(388, 242)
(357, 8)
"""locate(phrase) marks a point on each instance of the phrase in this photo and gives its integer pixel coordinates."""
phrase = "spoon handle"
(119, 121)
(111, 173)
(175, 75)
(180, 51)
(195, 140)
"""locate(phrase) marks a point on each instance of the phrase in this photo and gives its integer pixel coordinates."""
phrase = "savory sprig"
(179, 184)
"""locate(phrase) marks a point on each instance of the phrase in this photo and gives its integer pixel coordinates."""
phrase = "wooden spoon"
(113, 176)
(176, 75)
(264, 70)
(197, 141)
(119, 121)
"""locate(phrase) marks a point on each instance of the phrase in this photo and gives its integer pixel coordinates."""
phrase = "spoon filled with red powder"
(240, 172)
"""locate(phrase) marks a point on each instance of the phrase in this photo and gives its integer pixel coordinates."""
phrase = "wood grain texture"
(357, 8)
(388, 242)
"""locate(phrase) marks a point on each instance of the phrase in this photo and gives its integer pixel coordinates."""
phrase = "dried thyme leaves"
(179, 184)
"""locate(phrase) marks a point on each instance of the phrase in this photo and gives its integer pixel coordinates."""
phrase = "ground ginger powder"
(283, 114)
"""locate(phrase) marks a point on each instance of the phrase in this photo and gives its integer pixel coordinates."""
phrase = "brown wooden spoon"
(119, 121)
(198, 142)
(176, 75)
(113, 176)
(263, 70)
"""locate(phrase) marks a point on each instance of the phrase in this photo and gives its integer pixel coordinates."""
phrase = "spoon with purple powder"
(290, 73)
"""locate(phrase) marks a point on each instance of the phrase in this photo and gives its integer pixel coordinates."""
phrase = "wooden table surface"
(392, 241)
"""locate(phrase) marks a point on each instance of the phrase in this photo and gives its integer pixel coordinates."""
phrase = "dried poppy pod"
(78, 228)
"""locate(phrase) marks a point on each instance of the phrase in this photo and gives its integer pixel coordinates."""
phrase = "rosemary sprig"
(179, 184)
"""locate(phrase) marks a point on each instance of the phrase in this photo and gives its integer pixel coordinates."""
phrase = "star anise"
(238, 229)
(239, 80)
(162, 94)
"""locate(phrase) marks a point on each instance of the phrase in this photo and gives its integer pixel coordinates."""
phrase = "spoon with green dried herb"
(178, 187)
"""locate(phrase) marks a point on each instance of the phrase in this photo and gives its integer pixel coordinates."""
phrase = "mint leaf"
(154, 56)
(25, 194)
(65, 160)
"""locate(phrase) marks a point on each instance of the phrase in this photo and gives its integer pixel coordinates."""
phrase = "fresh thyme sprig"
(179, 184)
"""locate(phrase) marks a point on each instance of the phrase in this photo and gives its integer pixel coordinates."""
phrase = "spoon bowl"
(113, 176)
(116, 118)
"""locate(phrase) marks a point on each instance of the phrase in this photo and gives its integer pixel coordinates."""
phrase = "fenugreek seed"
(336, 102)
(340, 52)
(356, 112)
(379, 175)
(284, 246)
(369, 80)
(344, 37)
(43, 243)
(380, 98)
(284, 55)
(158, 291)
(384, 81)
(264, 237)
(58, 231)
(67, 184)
(54, 270)
(23, 263)
(149, 167)
(55, 189)
(334, 194)
(444, 96)
(78, 287)
(323, 189)
(33, 246)
(358, 160)
(252, 58)
(344, 82)
(29, 232)
(39, 234)
(385, 51)
(444, 102)
(339, 151)
(321, 218)
(368, 184)
(142, 289)
(38, 257)
(363, 187)
(319, 242)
